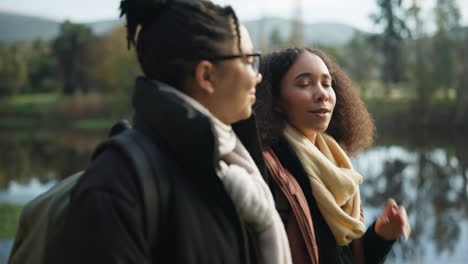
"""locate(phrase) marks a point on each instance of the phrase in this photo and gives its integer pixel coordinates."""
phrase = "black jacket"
(105, 221)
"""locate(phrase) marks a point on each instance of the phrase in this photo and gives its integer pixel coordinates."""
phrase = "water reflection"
(30, 163)
(428, 175)
(44, 155)
(431, 181)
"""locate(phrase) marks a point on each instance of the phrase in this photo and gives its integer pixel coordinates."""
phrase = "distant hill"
(101, 27)
(15, 27)
(316, 33)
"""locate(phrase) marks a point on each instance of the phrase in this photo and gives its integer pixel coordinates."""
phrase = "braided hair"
(172, 36)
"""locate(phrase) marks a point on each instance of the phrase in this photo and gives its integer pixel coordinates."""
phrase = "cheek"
(294, 98)
(333, 99)
(291, 103)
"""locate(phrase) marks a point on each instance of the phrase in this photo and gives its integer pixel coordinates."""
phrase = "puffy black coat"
(105, 221)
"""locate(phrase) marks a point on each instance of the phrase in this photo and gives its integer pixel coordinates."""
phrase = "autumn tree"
(112, 66)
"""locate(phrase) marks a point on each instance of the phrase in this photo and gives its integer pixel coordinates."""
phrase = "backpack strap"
(146, 160)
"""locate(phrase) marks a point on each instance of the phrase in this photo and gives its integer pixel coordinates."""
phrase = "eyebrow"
(308, 74)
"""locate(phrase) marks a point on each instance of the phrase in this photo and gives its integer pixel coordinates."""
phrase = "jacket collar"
(186, 131)
(169, 119)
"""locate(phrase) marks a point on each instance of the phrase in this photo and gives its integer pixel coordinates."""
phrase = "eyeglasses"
(255, 62)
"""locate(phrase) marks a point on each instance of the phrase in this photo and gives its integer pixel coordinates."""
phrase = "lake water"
(427, 174)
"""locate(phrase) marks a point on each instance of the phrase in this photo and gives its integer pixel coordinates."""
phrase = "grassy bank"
(9, 218)
(89, 112)
(99, 111)
(406, 115)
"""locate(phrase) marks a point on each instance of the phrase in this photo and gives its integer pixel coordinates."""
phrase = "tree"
(13, 68)
(70, 48)
(461, 118)
(276, 39)
(390, 41)
(419, 70)
(112, 67)
(445, 50)
(43, 68)
(361, 60)
(297, 26)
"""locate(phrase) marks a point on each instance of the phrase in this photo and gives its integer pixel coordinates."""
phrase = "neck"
(311, 137)
(211, 106)
(203, 106)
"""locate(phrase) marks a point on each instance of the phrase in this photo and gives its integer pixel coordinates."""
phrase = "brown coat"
(300, 228)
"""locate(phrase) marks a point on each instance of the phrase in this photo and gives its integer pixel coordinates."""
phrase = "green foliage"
(362, 64)
(390, 41)
(43, 74)
(112, 67)
(70, 48)
(13, 69)
(9, 218)
(445, 45)
(27, 105)
(276, 39)
(94, 124)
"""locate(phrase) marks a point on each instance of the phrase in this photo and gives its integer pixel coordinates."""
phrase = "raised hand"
(393, 222)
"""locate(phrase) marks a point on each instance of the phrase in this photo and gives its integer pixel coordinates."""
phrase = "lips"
(252, 96)
(320, 111)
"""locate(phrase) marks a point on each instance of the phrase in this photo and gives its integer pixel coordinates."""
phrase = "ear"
(204, 76)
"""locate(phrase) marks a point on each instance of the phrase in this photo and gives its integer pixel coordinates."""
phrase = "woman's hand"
(393, 222)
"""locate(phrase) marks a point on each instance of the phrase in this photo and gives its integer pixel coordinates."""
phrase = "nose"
(320, 94)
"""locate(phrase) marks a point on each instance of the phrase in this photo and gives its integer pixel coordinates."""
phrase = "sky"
(352, 12)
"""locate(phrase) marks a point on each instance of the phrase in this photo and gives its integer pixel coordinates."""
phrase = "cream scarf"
(334, 183)
(247, 189)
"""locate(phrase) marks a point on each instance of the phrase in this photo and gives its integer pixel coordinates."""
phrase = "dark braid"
(138, 12)
(230, 11)
(174, 35)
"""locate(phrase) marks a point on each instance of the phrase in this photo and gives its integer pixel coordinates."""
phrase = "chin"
(318, 129)
(243, 115)
(246, 113)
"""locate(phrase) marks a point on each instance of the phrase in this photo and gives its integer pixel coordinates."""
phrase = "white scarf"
(334, 183)
(247, 189)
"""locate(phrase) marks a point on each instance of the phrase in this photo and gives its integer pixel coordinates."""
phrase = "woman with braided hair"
(200, 75)
(310, 119)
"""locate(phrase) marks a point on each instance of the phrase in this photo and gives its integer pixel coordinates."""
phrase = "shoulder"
(111, 172)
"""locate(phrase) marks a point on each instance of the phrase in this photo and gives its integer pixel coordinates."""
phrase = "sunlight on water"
(22, 193)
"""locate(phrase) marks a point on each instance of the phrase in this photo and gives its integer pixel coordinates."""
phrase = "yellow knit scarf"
(334, 183)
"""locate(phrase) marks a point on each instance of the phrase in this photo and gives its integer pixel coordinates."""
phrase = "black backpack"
(35, 240)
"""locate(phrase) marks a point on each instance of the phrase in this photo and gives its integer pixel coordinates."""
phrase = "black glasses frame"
(255, 55)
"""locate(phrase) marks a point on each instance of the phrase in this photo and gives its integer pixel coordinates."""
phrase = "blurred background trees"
(415, 62)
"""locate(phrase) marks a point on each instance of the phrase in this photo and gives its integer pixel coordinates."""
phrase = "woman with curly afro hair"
(311, 119)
